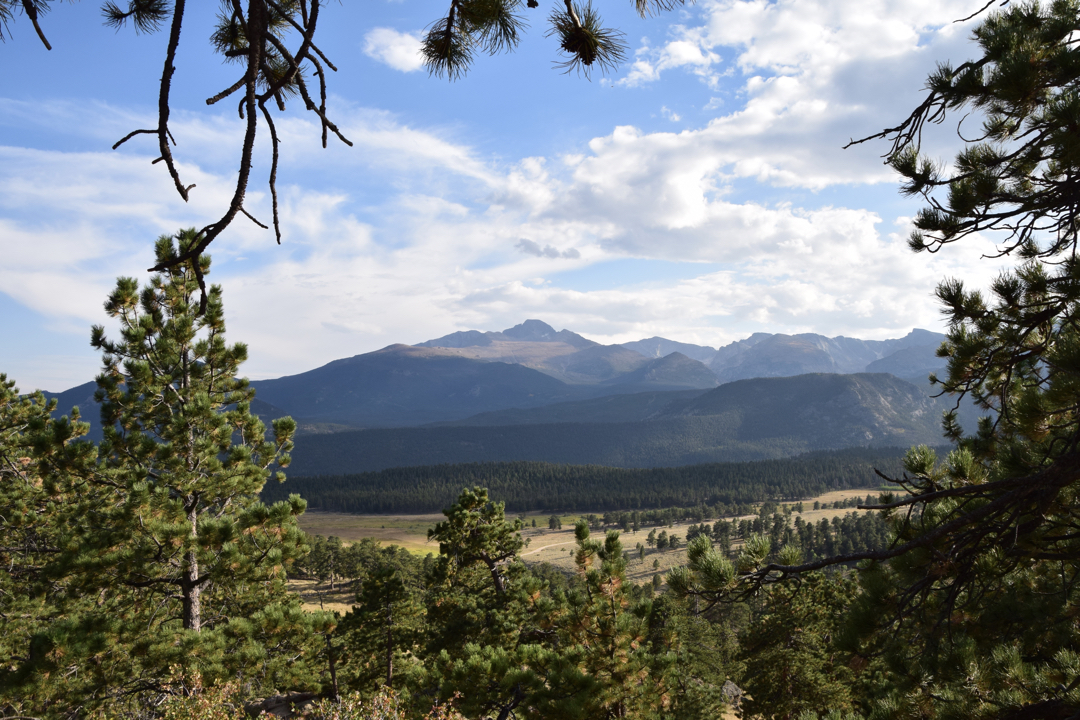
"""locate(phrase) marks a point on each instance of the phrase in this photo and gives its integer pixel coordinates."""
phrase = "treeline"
(573, 488)
(842, 535)
(782, 525)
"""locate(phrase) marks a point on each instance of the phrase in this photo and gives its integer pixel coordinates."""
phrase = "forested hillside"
(583, 488)
(742, 421)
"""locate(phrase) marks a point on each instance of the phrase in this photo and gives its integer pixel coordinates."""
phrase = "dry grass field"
(408, 531)
(555, 546)
(319, 596)
(551, 546)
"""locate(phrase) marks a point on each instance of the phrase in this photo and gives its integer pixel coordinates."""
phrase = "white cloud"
(690, 49)
(814, 73)
(670, 114)
(352, 278)
(399, 50)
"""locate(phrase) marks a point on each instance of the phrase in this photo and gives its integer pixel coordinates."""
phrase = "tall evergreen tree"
(174, 571)
(495, 627)
(384, 629)
(34, 451)
(792, 662)
(607, 632)
(474, 605)
(991, 549)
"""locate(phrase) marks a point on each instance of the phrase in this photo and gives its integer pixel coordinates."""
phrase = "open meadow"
(543, 545)
(407, 531)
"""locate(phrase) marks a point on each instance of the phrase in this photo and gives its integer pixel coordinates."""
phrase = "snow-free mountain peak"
(530, 331)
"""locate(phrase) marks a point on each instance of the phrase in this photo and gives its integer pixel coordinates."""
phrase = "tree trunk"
(192, 594)
(333, 668)
(389, 643)
(190, 585)
(191, 588)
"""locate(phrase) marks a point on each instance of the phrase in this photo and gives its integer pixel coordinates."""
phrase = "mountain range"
(754, 419)
(482, 395)
(574, 359)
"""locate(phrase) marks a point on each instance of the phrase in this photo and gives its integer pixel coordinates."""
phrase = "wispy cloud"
(689, 49)
(547, 251)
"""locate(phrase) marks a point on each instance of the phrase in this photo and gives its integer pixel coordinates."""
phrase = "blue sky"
(699, 192)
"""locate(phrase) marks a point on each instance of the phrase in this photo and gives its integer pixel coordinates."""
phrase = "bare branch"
(252, 219)
(977, 12)
(273, 169)
(31, 12)
(163, 98)
(132, 134)
(226, 92)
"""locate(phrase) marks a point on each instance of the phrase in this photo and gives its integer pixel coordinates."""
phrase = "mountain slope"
(621, 408)
(658, 347)
(915, 361)
(402, 385)
(827, 410)
(594, 364)
(749, 420)
(778, 356)
(668, 373)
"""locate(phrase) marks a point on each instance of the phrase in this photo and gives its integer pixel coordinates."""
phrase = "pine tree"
(606, 632)
(694, 655)
(173, 570)
(792, 663)
(35, 453)
(490, 621)
(383, 629)
(991, 551)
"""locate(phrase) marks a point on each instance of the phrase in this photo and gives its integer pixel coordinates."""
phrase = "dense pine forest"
(676, 441)
(575, 488)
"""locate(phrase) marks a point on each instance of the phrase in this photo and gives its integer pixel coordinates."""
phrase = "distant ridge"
(751, 420)
(764, 355)
(483, 396)
(402, 385)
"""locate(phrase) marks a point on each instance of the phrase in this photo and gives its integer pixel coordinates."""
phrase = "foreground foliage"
(968, 612)
(983, 597)
(148, 562)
